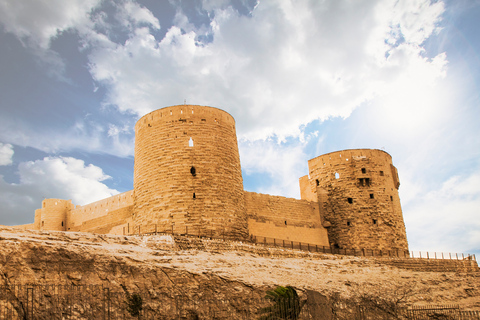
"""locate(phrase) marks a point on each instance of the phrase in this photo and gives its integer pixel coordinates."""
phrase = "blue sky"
(301, 78)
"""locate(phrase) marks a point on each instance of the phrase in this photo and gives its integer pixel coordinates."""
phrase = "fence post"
(308, 247)
(30, 303)
(274, 242)
(155, 228)
(463, 257)
(428, 256)
(456, 255)
(283, 243)
(291, 242)
(420, 253)
(106, 303)
(363, 252)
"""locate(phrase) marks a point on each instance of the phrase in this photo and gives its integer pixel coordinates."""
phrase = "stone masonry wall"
(53, 214)
(284, 219)
(95, 211)
(187, 173)
(357, 192)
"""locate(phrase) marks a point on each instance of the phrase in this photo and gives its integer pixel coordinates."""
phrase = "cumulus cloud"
(37, 23)
(281, 66)
(52, 177)
(279, 165)
(6, 154)
(446, 218)
(298, 61)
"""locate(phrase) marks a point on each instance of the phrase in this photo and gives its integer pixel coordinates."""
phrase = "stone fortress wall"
(187, 180)
(357, 191)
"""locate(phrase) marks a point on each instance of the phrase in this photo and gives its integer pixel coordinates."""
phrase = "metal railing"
(68, 302)
(304, 246)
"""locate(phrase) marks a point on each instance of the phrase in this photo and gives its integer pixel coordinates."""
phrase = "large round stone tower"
(187, 174)
(358, 195)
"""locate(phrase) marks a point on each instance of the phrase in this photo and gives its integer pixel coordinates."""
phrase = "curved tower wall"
(53, 215)
(187, 174)
(358, 195)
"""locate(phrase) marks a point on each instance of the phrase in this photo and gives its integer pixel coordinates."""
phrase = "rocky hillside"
(164, 269)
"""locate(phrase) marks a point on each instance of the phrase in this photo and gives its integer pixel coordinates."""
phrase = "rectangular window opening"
(350, 200)
(364, 170)
(391, 198)
(367, 181)
(348, 223)
(371, 196)
(381, 173)
(360, 180)
(374, 221)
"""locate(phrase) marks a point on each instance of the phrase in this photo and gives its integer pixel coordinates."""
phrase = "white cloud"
(52, 177)
(283, 66)
(283, 164)
(37, 22)
(447, 218)
(6, 154)
(286, 65)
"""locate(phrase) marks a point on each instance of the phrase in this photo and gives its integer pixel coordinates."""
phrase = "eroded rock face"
(205, 276)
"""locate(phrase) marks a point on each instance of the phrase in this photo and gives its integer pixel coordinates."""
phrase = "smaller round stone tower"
(357, 191)
(187, 174)
(53, 215)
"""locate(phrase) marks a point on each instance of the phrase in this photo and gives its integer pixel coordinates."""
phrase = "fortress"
(188, 180)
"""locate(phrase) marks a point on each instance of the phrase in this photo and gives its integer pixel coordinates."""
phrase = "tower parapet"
(357, 191)
(187, 174)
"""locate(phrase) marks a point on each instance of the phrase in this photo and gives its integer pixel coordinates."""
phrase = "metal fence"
(66, 302)
(447, 312)
(272, 242)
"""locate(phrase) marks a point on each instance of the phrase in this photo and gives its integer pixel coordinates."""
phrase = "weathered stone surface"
(357, 191)
(188, 180)
(194, 269)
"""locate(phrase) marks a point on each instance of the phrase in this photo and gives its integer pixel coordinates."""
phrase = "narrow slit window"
(285, 222)
(374, 221)
(62, 223)
(194, 196)
(348, 223)
(371, 196)
(391, 198)
(318, 182)
(190, 142)
(193, 171)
